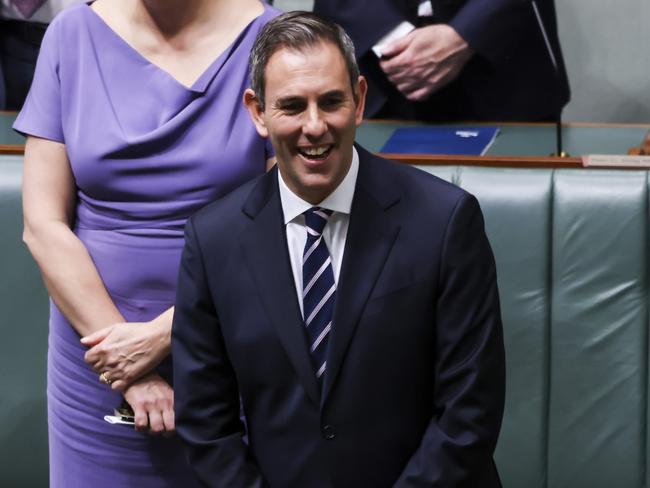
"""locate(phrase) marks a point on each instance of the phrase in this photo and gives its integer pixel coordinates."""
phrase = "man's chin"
(314, 188)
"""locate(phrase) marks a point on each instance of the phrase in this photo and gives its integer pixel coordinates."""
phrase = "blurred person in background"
(456, 59)
(22, 26)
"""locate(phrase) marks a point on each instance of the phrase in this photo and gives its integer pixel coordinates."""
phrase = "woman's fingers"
(96, 337)
(119, 385)
(127, 351)
(141, 418)
(168, 419)
(156, 424)
(152, 400)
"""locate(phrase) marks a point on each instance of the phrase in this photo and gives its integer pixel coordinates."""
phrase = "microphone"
(558, 123)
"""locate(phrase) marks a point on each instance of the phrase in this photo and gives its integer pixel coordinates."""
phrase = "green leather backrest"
(597, 419)
(23, 345)
(572, 259)
(516, 206)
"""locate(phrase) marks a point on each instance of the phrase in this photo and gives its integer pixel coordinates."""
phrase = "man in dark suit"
(349, 303)
(466, 59)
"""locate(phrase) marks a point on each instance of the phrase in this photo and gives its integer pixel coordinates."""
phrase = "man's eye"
(292, 108)
(331, 103)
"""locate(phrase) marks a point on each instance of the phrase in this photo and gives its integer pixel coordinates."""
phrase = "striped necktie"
(318, 289)
(27, 8)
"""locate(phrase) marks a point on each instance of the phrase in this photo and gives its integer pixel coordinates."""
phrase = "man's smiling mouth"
(316, 153)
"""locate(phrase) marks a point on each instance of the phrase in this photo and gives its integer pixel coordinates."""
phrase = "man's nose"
(314, 124)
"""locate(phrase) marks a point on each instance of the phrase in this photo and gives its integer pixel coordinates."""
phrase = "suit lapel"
(370, 238)
(265, 250)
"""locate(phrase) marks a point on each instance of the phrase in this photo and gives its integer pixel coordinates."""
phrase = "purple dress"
(146, 153)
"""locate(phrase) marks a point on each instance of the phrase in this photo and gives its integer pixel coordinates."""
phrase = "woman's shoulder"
(74, 15)
(68, 24)
(72, 28)
(62, 33)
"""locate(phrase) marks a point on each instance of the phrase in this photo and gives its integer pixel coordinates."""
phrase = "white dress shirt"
(335, 231)
(425, 9)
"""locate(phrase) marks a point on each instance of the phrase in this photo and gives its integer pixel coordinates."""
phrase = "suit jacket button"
(328, 432)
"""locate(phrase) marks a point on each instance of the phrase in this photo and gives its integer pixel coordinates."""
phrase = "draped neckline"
(203, 81)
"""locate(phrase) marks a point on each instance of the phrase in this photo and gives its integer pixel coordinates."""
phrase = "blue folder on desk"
(470, 141)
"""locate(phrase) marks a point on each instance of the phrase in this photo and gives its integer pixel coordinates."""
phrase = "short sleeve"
(41, 114)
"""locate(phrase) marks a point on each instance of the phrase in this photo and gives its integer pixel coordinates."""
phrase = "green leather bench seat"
(572, 260)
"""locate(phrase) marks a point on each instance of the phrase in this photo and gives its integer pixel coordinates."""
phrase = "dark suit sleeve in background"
(365, 21)
(458, 444)
(493, 28)
(206, 397)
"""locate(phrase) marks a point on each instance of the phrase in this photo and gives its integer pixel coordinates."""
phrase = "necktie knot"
(315, 219)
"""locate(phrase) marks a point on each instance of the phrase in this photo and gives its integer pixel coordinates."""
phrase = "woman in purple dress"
(134, 121)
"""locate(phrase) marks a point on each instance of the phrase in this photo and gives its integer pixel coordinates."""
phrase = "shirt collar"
(340, 200)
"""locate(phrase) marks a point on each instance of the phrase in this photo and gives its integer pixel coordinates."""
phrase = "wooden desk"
(526, 145)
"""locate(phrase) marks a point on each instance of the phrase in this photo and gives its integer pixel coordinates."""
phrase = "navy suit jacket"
(414, 389)
(511, 76)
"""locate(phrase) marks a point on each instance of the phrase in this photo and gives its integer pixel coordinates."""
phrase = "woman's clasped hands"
(124, 356)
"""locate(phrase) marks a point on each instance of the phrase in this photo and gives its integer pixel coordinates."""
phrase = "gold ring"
(104, 378)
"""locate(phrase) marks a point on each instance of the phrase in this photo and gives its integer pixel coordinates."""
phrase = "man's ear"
(361, 91)
(255, 111)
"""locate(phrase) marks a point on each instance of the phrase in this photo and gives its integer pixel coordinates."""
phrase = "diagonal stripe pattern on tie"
(319, 289)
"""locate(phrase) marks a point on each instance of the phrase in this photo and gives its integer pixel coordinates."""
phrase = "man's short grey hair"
(298, 30)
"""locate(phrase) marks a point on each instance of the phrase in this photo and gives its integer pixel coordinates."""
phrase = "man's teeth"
(315, 151)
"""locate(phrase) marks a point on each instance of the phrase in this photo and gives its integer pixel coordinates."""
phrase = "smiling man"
(347, 303)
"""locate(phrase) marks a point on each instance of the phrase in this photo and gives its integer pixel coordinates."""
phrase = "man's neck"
(339, 200)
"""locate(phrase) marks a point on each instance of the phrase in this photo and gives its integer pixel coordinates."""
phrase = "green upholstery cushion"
(23, 345)
(516, 205)
(599, 329)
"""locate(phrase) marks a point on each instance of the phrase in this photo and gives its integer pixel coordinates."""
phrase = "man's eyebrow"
(333, 94)
(288, 100)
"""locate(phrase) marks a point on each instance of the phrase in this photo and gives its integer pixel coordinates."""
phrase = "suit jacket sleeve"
(205, 389)
(365, 21)
(457, 446)
(493, 28)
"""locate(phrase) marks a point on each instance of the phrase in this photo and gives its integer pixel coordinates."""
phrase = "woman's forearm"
(164, 325)
(71, 277)
(49, 197)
